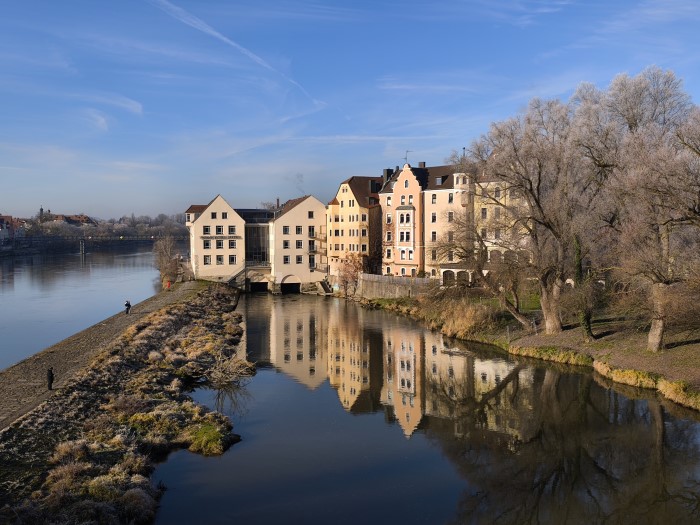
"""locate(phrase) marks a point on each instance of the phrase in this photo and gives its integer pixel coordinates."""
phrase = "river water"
(360, 416)
(46, 298)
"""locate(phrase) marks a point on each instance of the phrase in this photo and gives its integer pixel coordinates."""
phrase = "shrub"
(206, 439)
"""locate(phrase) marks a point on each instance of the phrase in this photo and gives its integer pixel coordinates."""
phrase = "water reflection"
(533, 443)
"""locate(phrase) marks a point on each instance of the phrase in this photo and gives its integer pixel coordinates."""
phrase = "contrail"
(200, 25)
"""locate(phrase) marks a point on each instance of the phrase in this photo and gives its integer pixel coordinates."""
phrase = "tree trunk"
(515, 312)
(549, 301)
(655, 340)
(584, 312)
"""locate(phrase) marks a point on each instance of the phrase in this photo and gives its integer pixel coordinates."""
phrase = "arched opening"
(291, 284)
(448, 278)
(257, 287)
(462, 278)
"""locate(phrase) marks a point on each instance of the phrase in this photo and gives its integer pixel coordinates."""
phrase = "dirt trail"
(23, 386)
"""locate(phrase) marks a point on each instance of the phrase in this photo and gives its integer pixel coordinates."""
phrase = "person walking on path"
(49, 378)
(127, 306)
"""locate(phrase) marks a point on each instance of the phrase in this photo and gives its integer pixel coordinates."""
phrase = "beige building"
(217, 240)
(354, 225)
(297, 249)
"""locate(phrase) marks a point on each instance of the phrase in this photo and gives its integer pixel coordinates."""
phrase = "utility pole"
(405, 159)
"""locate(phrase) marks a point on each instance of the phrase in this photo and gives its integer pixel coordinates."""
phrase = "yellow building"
(353, 225)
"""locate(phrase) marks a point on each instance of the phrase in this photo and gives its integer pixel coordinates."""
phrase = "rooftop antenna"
(405, 159)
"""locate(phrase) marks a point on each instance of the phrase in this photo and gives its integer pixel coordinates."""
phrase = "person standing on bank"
(49, 378)
(127, 306)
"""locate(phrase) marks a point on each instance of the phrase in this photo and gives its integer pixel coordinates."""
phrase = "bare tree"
(166, 258)
(349, 275)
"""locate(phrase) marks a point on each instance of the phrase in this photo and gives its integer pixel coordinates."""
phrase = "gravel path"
(23, 386)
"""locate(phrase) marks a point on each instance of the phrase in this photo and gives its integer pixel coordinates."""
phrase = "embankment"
(85, 453)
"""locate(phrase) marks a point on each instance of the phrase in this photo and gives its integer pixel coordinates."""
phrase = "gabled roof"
(430, 178)
(197, 208)
(363, 188)
(291, 204)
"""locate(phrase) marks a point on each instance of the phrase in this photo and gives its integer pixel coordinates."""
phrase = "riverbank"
(618, 352)
(83, 452)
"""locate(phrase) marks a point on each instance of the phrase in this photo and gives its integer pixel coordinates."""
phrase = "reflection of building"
(354, 359)
(298, 333)
(403, 376)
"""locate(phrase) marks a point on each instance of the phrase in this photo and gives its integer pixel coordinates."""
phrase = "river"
(359, 416)
(46, 298)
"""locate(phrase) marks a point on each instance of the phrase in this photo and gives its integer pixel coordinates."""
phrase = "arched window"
(405, 183)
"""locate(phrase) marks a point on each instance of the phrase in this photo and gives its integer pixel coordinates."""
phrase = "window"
(408, 236)
(388, 253)
(285, 259)
(219, 230)
(388, 270)
(232, 259)
(299, 230)
(401, 218)
(312, 246)
(450, 216)
(189, 218)
(232, 230)
(364, 248)
(213, 215)
(402, 236)
(408, 218)
(300, 245)
(403, 200)
(497, 213)
(364, 232)
(312, 231)
(497, 193)
(285, 245)
(450, 256)
(388, 236)
(410, 255)
(433, 236)
(300, 259)
(403, 272)
(206, 230)
(207, 259)
(388, 218)
(433, 255)
(497, 233)
(433, 199)
(207, 244)
(450, 236)
(342, 204)
(364, 217)
(224, 215)
(484, 213)
(311, 214)
(312, 261)
(410, 199)
(232, 244)
(388, 201)
(220, 245)
(451, 198)
(403, 255)
(219, 259)
(405, 183)
(433, 217)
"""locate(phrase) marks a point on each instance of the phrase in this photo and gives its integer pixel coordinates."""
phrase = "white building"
(217, 240)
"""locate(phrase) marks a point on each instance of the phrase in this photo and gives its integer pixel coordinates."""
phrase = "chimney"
(278, 202)
(388, 172)
(421, 164)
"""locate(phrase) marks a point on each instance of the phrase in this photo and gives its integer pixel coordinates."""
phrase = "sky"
(149, 106)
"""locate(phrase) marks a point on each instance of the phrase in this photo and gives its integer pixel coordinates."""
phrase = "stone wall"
(391, 287)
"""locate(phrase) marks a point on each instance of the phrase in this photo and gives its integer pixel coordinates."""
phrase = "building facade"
(354, 225)
(217, 240)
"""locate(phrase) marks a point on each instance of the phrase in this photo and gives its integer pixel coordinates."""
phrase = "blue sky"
(148, 106)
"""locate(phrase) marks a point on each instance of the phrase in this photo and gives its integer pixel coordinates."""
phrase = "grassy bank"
(618, 352)
(85, 455)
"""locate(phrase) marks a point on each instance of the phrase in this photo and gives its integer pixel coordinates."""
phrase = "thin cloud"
(97, 119)
(189, 19)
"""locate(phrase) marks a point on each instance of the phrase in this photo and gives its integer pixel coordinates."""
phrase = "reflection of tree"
(233, 398)
(582, 455)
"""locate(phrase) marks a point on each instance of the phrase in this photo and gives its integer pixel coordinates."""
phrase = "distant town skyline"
(148, 106)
